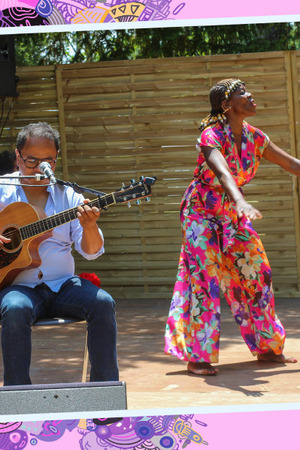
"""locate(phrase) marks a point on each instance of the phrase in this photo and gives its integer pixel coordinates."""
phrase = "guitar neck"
(51, 222)
(134, 191)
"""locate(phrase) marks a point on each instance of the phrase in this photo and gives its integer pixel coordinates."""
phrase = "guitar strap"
(79, 189)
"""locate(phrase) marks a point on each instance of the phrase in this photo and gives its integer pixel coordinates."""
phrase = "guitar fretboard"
(51, 222)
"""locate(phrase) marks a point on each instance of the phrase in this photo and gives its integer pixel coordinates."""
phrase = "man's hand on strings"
(87, 215)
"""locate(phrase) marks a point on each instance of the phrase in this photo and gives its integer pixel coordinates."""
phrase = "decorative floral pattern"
(132, 433)
(221, 251)
(56, 12)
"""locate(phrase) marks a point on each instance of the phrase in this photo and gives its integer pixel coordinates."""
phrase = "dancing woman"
(220, 248)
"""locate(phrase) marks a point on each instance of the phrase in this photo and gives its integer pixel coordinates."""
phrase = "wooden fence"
(123, 119)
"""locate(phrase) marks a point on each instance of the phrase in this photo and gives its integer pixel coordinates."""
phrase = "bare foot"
(271, 357)
(202, 368)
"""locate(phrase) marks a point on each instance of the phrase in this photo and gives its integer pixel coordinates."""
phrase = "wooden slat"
(123, 119)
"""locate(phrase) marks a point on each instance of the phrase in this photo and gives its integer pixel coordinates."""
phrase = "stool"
(62, 321)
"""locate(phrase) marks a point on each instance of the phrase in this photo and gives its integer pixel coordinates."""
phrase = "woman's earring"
(227, 109)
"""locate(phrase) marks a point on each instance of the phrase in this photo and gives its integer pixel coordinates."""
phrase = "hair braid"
(221, 91)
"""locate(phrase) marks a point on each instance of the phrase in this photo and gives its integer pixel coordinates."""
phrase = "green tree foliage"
(72, 47)
(92, 46)
(214, 40)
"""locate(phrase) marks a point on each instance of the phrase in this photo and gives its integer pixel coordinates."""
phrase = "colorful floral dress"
(219, 250)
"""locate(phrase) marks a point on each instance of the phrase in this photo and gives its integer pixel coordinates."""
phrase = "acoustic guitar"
(27, 226)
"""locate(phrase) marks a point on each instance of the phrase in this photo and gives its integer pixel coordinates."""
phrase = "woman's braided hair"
(221, 91)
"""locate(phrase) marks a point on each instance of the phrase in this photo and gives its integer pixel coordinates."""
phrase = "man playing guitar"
(44, 284)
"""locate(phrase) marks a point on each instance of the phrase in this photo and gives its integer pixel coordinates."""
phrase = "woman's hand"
(217, 163)
(245, 209)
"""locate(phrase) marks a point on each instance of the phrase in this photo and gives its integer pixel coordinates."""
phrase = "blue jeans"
(21, 307)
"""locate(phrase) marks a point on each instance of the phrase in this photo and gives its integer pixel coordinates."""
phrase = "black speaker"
(7, 67)
(64, 397)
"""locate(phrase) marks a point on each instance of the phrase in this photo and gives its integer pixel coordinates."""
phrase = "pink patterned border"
(129, 13)
(216, 431)
(248, 430)
(151, 432)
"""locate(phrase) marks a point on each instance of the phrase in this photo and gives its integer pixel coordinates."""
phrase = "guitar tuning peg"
(129, 204)
(138, 202)
(148, 199)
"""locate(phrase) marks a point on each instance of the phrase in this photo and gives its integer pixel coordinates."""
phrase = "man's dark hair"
(39, 130)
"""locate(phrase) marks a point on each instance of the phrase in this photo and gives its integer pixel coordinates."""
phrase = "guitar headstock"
(135, 191)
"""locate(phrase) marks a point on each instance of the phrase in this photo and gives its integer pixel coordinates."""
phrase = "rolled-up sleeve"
(89, 256)
(76, 232)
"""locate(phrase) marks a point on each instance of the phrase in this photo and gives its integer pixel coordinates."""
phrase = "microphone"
(47, 171)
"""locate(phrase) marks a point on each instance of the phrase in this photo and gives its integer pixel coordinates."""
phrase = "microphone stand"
(80, 189)
(38, 177)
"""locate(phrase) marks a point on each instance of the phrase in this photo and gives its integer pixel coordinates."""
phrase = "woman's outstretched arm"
(276, 155)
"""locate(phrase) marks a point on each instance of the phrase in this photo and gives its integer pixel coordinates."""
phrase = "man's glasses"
(32, 163)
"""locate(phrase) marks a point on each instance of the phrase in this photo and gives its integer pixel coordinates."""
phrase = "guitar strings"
(47, 221)
(15, 233)
(11, 233)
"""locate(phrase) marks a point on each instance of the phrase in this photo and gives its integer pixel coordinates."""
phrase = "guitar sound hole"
(14, 235)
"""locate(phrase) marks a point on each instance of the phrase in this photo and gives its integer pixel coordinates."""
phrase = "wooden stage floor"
(155, 380)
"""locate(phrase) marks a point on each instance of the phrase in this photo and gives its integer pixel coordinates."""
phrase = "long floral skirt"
(243, 273)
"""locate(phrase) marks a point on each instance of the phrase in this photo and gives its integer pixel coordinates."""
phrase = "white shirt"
(57, 261)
